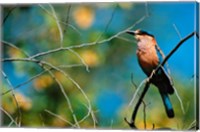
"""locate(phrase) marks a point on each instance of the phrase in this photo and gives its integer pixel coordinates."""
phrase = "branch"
(14, 97)
(58, 24)
(6, 17)
(81, 59)
(11, 118)
(88, 44)
(62, 22)
(177, 31)
(67, 19)
(25, 82)
(108, 24)
(59, 117)
(176, 47)
(132, 123)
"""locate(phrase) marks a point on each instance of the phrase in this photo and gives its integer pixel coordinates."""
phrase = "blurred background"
(107, 81)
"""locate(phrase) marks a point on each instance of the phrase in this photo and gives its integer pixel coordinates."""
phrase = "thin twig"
(14, 97)
(59, 117)
(70, 66)
(144, 104)
(132, 122)
(25, 82)
(90, 112)
(81, 59)
(11, 118)
(146, 9)
(132, 82)
(42, 120)
(65, 95)
(175, 48)
(7, 15)
(192, 125)
(180, 101)
(67, 19)
(67, 24)
(177, 31)
(108, 23)
(125, 39)
(58, 24)
(163, 56)
(144, 113)
(15, 47)
(136, 92)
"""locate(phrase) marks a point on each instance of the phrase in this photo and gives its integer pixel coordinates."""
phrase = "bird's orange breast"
(148, 59)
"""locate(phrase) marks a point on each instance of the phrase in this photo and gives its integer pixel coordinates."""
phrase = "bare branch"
(67, 24)
(70, 66)
(43, 124)
(58, 25)
(90, 112)
(81, 59)
(59, 117)
(180, 101)
(88, 44)
(146, 9)
(14, 97)
(68, 14)
(65, 95)
(11, 118)
(134, 84)
(176, 47)
(144, 104)
(7, 15)
(177, 31)
(15, 47)
(192, 125)
(108, 24)
(144, 113)
(125, 39)
(136, 92)
(25, 82)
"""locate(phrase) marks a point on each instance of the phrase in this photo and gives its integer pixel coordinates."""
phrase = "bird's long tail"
(167, 104)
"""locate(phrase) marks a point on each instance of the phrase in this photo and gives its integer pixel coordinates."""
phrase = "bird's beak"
(131, 32)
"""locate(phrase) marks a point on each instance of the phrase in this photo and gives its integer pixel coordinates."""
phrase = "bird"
(149, 58)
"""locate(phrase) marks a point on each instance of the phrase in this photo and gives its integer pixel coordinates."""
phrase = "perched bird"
(149, 59)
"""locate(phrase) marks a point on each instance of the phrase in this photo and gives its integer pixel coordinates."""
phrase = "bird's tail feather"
(167, 104)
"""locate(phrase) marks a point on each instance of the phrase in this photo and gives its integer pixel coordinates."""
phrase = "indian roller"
(149, 58)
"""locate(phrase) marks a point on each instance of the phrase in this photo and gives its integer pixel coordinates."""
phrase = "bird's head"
(140, 34)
